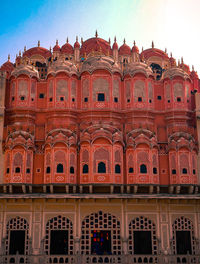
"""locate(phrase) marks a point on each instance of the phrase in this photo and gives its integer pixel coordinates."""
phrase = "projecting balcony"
(84, 259)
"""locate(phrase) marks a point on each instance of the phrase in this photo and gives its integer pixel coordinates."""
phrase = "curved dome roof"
(37, 51)
(7, 66)
(95, 44)
(124, 50)
(67, 48)
(100, 63)
(25, 69)
(56, 48)
(138, 67)
(175, 71)
(154, 52)
(61, 65)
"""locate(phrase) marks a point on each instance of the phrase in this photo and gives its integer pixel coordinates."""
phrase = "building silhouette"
(99, 156)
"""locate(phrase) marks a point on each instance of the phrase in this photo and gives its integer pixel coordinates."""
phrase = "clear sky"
(171, 24)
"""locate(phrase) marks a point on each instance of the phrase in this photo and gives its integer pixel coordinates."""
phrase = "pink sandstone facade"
(93, 131)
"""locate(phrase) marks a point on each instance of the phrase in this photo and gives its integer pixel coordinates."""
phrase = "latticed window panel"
(100, 221)
(183, 224)
(15, 224)
(59, 223)
(142, 224)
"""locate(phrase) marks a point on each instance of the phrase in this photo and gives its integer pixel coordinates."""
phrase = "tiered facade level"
(90, 135)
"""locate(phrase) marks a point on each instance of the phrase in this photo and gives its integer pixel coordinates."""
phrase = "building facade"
(99, 159)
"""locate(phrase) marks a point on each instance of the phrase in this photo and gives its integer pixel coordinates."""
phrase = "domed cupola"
(25, 69)
(184, 66)
(194, 74)
(56, 48)
(76, 44)
(37, 51)
(7, 66)
(77, 50)
(135, 53)
(172, 61)
(115, 50)
(138, 67)
(115, 45)
(125, 49)
(67, 48)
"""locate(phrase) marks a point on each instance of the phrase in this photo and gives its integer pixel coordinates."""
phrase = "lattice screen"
(59, 223)
(100, 221)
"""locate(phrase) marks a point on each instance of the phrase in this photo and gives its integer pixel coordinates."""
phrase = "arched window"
(173, 171)
(72, 170)
(130, 170)
(117, 168)
(184, 171)
(17, 170)
(101, 167)
(59, 168)
(154, 170)
(85, 168)
(48, 170)
(143, 168)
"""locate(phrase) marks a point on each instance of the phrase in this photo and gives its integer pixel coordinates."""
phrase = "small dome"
(194, 74)
(95, 44)
(67, 48)
(172, 61)
(37, 51)
(135, 48)
(76, 44)
(7, 66)
(56, 48)
(124, 49)
(115, 46)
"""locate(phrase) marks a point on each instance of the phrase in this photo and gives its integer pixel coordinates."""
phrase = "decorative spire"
(50, 48)
(24, 48)
(16, 56)
(8, 57)
(67, 40)
(134, 42)
(76, 38)
(171, 54)
(142, 49)
(152, 45)
(165, 50)
(178, 63)
(38, 43)
(96, 34)
(124, 41)
(56, 42)
(109, 40)
(115, 40)
(20, 53)
(82, 41)
(192, 67)
(181, 60)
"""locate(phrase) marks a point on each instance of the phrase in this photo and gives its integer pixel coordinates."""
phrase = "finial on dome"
(152, 45)
(16, 56)
(134, 42)
(165, 50)
(67, 40)
(38, 43)
(109, 40)
(56, 42)
(8, 57)
(178, 62)
(96, 34)
(76, 38)
(20, 53)
(181, 60)
(81, 40)
(171, 54)
(24, 48)
(50, 48)
(124, 41)
(192, 67)
(142, 49)
(115, 40)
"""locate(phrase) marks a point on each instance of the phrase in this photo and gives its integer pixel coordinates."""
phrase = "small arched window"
(154, 170)
(143, 168)
(48, 169)
(101, 167)
(184, 171)
(173, 171)
(72, 170)
(59, 168)
(117, 168)
(17, 170)
(85, 168)
(130, 170)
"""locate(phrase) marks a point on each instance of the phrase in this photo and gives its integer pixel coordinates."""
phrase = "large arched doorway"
(100, 235)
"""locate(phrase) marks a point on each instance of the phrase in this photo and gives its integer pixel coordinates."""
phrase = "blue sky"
(172, 24)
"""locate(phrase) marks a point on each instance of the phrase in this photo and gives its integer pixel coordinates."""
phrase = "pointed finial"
(24, 48)
(96, 34)
(178, 62)
(134, 42)
(171, 54)
(76, 38)
(192, 67)
(16, 56)
(67, 40)
(115, 39)
(181, 60)
(109, 40)
(56, 42)
(8, 57)
(20, 53)
(50, 48)
(152, 44)
(142, 49)
(124, 41)
(165, 50)
(38, 43)
(81, 40)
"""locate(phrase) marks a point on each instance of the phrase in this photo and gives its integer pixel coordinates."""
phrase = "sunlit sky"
(171, 24)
